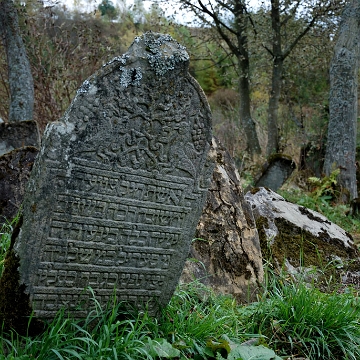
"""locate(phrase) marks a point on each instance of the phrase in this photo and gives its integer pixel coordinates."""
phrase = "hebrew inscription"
(119, 185)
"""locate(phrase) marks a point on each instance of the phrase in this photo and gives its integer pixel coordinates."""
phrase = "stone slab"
(276, 172)
(15, 169)
(119, 185)
(303, 242)
(17, 135)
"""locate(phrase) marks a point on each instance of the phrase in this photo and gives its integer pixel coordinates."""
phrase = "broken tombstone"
(17, 135)
(15, 169)
(225, 254)
(276, 171)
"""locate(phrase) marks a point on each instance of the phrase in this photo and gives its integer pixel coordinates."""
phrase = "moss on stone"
(301, 248)
(275, 157)
(262, 224)
(254, 190)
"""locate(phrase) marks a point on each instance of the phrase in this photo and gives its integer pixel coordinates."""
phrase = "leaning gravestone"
(119, 185)
(227, 250)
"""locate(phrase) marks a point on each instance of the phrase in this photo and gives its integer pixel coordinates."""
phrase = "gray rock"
(119, 185)
(226, 253)
(301, 240)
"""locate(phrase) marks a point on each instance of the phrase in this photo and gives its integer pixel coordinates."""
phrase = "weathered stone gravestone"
(15, 168)
(304, 242)
(277, 171)
(17, 135)
(119, 184)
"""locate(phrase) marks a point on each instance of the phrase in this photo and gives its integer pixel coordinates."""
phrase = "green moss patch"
(301, 248)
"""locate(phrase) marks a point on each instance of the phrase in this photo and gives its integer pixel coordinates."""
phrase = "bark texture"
(242, 52)
(277, 69)
(341, 143)
(19, 70)
(227, 249)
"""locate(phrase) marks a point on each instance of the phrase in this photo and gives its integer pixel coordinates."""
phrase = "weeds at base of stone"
(290, 320)
(5, 237)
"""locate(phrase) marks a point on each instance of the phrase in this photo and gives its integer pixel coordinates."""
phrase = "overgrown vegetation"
(300, 320)
(289, 319)
(5, 238)
(324, 196)
(71, 45)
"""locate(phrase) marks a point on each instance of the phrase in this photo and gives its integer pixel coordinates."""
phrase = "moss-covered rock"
(296, 238)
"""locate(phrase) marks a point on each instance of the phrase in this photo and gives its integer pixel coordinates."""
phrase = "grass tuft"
(302, 321)
(293, 319)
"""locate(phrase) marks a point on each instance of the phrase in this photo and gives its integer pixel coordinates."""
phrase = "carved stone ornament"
(119, 185)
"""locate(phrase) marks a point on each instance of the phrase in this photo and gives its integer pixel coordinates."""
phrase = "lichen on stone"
(122, 59)
(130, 76)
(84, 88)
(159, 61)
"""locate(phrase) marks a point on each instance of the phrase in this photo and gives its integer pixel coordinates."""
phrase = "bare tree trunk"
(235, 36)
(273, 131)
(341, 142)
(242, 53)
(20, 78)
(280, 51)
(246, 119)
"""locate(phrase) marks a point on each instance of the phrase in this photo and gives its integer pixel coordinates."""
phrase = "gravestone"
(119, 184)
(227, 250)
(277, 170)
(15, 168)
(304, 242)
(17, 135)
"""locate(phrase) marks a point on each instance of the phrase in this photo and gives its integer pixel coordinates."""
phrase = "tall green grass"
(102, 335)
(293, 319)
(5, 237)
(299, 320)
(182, 329)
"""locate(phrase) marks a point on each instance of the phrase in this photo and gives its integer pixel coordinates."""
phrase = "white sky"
(169, 8)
